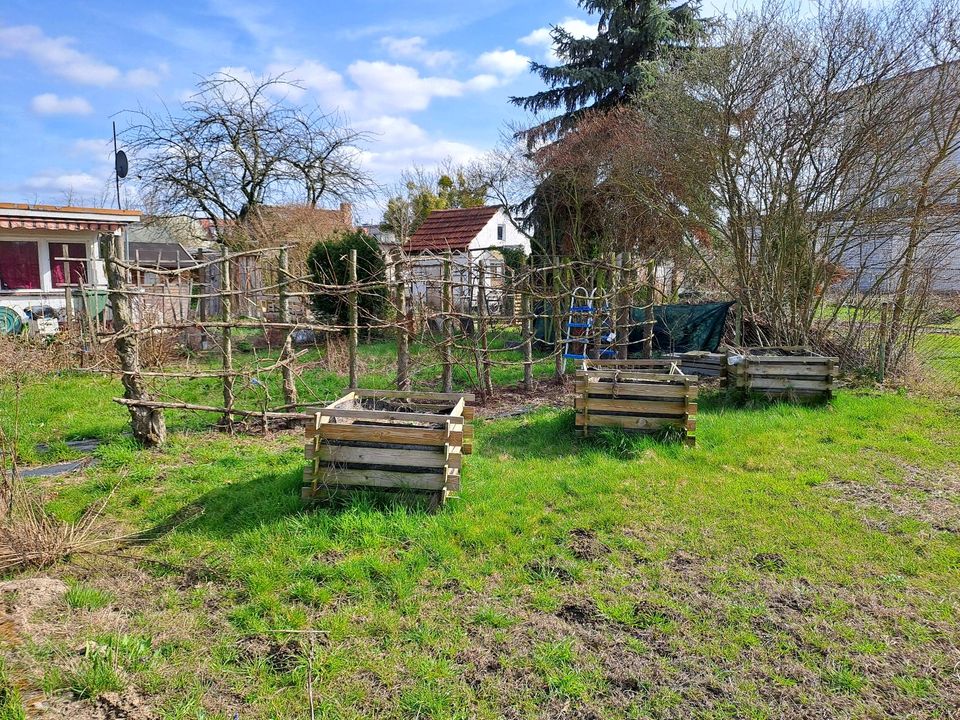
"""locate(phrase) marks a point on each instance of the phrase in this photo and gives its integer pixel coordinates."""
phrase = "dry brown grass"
(32, 537)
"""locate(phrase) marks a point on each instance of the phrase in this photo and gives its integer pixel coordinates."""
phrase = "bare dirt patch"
(584, 545)
(932, 497)
(511, 401)
(20, 599)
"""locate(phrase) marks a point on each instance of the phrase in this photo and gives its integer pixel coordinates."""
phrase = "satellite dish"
(121, 164)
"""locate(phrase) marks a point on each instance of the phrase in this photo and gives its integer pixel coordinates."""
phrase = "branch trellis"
(454, 321)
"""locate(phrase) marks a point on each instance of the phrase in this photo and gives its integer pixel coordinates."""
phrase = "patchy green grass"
(11, 703)
(799, 560)
(82, 597)
(74, 405)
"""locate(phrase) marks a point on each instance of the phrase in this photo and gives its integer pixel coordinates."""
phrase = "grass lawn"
(798, 562)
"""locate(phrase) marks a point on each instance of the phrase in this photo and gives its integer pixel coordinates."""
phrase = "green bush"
(328, 264)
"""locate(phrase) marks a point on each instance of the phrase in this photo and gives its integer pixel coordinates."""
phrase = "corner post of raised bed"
(690, 411)
(353, 319)
(226, 339)
(286, 355)
(447, 320)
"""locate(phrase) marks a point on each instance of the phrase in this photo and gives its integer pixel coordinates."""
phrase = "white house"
(35, 239)
(472, 236)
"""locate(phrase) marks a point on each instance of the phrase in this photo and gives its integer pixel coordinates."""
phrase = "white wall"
(487, 238)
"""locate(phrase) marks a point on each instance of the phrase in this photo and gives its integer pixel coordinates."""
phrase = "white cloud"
(390, 162)
(50, 104)
(392, 131)
(68, 182)
(95, 148)
(415, 49)
(482, 82)
(59, 57)
(253, 18)
(541, 36)
(388, 88)
(506, 63)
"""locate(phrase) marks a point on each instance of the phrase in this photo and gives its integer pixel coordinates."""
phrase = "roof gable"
(450, 229)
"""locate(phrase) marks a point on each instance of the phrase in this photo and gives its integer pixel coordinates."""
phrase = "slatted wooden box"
(647, 402)
(784, 376)
(386, 439)
(702, 364)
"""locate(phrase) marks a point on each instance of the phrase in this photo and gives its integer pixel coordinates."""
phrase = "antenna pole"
(116, 175)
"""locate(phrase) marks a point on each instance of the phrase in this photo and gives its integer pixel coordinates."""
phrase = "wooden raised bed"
(386, 439)
(646, 402)
(702, 364)
(779, 375)
(654, 365)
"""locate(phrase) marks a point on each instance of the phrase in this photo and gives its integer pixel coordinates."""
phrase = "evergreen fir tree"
(635, 39)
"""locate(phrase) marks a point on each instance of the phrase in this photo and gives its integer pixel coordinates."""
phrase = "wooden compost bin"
(782, 375)
(386, 439)
(639, 401)
(702, 364)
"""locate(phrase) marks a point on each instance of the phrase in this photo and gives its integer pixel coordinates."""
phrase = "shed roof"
(450, 229)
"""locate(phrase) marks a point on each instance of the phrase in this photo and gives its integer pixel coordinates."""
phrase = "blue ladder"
(581, 316)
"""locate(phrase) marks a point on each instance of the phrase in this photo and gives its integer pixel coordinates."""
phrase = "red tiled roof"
(450, 229)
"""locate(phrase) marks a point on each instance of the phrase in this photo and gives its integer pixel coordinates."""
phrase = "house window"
(19, 265)
(77, 268)
(501, 232)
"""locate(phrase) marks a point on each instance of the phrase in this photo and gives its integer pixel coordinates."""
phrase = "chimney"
(346, 214)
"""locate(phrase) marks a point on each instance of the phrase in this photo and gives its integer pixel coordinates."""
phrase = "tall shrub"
(328, 263)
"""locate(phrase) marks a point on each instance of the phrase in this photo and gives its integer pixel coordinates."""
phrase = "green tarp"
(677, 329)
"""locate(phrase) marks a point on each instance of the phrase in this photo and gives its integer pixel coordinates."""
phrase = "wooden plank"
(633, 423)
(386, 456)
(766, 383)
(381, 433)
(634, 375)
(629, 364)
(637, 407)
(338, 477)
(789, 359)
(397, 416)
(648, 390)
(798, 371)
(403, 394)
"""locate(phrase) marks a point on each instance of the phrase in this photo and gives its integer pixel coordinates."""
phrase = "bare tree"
(238, 145)
(807, 122)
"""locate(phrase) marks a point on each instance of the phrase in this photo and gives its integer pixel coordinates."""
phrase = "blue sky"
(431, 78)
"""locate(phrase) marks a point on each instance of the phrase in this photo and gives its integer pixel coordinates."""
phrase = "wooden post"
(625, 319)
(403, 336)
(354, 320)
(559, 362)
(738, 325)
(526, 312)
(447, 319)
(648, 319)
(483, 366)
(226, 338)
(289, 381)
(882, 349)
(148, 424)
(67, 290)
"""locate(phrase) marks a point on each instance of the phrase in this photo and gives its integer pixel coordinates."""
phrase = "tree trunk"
(148, 424)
